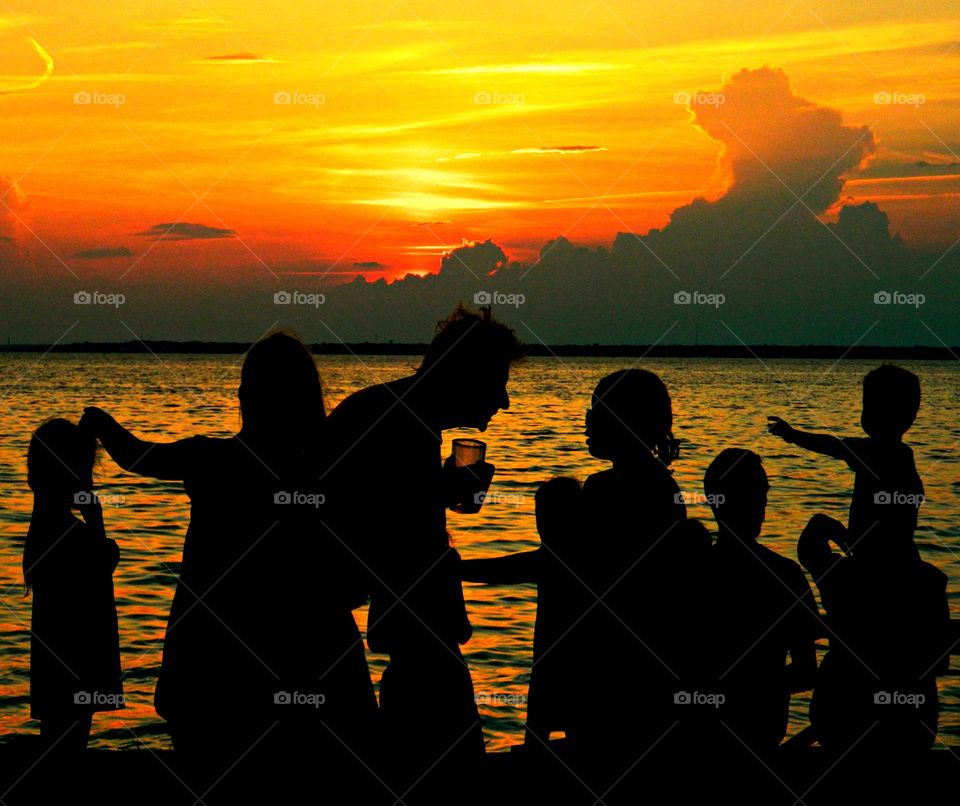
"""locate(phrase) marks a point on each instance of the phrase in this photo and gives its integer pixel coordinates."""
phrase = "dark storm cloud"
(182, 231)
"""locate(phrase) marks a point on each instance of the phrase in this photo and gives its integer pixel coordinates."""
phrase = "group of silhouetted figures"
(649, 632)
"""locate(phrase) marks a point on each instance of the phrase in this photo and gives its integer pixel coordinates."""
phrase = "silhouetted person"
(68, 565)
(887, 490)
(632, 513)
(390, 495)
(261, 646)
(561, 602)
(762, 609)
(889, 623)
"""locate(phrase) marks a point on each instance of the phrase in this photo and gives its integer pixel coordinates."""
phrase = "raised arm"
(825, 444)
(160, 460)
(510, 569)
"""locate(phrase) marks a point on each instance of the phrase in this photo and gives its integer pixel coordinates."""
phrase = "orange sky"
(411, 125)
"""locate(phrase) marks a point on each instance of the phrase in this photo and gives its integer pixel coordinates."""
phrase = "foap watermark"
(708, 698)
(699, 499)
(299, 499)
(112, 699)
(898, 498)
(498, 698)
(299, 698)
(97, 98)
(499, 98)
(98, 298)
(84, 498)
(498, 298)
(899, 298)
(698, 298)
(896, 98)
(299, 298)
(914, 700)
(699, 98)
(509, 499)
(297, 98)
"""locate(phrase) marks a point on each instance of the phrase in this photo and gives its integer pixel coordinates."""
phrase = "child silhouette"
(887, 490)
(561, 602)
(68, 566)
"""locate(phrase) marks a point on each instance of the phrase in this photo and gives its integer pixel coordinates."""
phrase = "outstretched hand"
(779, 428)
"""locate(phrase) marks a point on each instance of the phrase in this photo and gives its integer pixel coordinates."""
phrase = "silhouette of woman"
(260, 632)
(631, 513)
(68, 564)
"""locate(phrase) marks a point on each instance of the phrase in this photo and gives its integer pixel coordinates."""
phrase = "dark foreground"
(550, 776)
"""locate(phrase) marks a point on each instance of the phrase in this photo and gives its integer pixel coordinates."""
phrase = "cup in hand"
(469, 475)
(468, 452)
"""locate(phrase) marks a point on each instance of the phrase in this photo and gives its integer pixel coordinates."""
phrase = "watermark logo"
(898, 298)
(300, 698)
(698, 298)
(699, 98)
(498, 298)
(84, 498)
(97, 98)
(898, 698)
(98, 298)
(297, 498)
(699, 499)
(297, 98)
(499, 98)
(713, 700)
(298, 298)
(897, 498)
(510, 499)
(895, 98)
(97, 698)
(497, 698)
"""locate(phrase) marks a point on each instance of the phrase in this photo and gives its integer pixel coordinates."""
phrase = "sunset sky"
(186, 141)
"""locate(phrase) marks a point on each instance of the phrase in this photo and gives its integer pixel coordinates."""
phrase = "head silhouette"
(280, 391)
(60, 460)
(891, 400)
(468, 362)
(631, 413)
(736, 486)
(558, 502)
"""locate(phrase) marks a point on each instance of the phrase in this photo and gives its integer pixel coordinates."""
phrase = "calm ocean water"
(717, 404)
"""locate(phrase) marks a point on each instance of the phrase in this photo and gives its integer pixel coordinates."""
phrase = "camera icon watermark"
(299, 698)
(715, 99)
(897, 498)
(499, 98)
(498, 698)
(498, 298)
(299, 298)
(701, 698)
(911, 699)
(98, 698)
(699, 499)
(896, 98)
(84, 498)
(698, 298)
(97, 98)
(297, 98)
(298, 498)
(898, 298)
(509, 499)
(98, 298)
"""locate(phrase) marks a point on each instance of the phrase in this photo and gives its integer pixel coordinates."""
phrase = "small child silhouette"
(887, 491)
(68, 565)
(560, 604)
